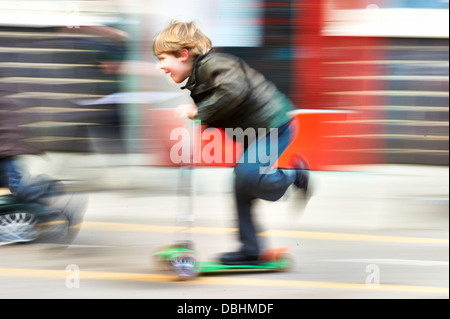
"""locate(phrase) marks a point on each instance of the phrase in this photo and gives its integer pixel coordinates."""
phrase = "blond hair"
(181, 35)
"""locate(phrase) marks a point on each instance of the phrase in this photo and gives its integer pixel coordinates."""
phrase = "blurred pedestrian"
(110, 129)
(110, 47)
(40, 189)
(230, 94)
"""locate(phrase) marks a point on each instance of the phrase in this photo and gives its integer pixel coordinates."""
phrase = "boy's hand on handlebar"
(187, 110)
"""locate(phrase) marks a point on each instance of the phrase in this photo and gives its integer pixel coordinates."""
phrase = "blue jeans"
(256, 180)
(21, 184)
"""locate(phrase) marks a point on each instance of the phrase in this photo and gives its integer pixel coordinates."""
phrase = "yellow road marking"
(52, 223)
(140, 277)
(4, 191)
(104, 226)
(354, 237)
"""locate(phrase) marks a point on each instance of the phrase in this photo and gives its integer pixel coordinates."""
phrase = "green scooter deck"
(182, 262)
(215, 266)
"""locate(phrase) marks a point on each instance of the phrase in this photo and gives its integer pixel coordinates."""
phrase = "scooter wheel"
(184, 266)
(273, 254)
(286, 262)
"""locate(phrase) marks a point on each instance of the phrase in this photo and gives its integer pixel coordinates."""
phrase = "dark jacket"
(11, 143)
(230, 94)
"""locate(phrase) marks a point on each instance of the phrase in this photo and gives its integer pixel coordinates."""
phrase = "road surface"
(379, 233)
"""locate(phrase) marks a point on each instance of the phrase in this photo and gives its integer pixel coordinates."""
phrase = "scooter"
(181, 261)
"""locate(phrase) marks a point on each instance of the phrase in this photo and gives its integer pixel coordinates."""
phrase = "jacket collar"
(191, 82)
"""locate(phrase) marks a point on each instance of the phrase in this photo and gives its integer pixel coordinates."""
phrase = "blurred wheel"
(286, 262)
(18, 227)
(184, 266)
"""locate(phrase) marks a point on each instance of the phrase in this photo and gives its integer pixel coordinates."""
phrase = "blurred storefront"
(384, 63)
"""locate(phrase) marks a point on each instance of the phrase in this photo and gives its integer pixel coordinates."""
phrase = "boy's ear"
(184, 55)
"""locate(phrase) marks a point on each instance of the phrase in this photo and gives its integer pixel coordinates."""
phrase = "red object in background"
(317, 141)
(314, 141)
(168, 137)
(336, 73)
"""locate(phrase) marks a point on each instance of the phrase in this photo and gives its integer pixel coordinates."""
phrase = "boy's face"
(180, 68)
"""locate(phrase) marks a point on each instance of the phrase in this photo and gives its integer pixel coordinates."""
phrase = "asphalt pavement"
(376, 231)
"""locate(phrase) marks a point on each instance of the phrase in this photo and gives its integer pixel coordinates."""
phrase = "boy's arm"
(226, 88)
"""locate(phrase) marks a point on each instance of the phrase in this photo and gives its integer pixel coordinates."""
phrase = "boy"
(229, 94)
